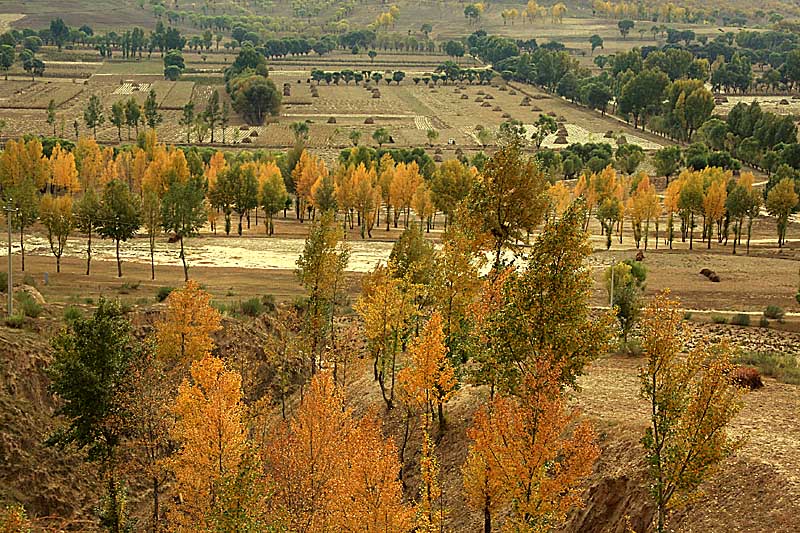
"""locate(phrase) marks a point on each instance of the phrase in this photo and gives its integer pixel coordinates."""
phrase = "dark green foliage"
(252, 307)
(774, 312)
(740, 319)
(163, 292)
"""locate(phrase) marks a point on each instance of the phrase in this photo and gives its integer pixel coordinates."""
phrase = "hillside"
(758, 490)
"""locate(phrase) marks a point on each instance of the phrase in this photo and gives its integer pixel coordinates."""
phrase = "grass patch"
(72, 313)
(781, 366)
(15, 321)
(128, 287)
(163, 292)
(28, 306)
(774, 312)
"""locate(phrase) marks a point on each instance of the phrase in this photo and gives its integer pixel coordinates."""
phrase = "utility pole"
(10, 209)
(611, 299)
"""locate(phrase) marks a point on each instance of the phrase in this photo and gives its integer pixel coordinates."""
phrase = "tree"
(93, 114)
(184, 333)
(214, 470)
(183, 213)
(625, 283)
(118, 117)
(510, 200)
(119, 215)
(255, 97)
(690, 201)
(246, 194)
(56, 215)
(319, 269)
(91, 359)
(333, 472)
(692, 400)
(355, 137)
(431, 513)
(212, 112)
(667, 161)
(187, 120)
(51, 115)
(782, 199)
(151, 115)
(173, 65)
(525, 452)
(625, 26)
(25, 202)
(545, 125)
(133, 115)
(7, 58)
(381, 136)
(454, 49)
(429, 380)
(59, 31)
(87, 220)
(299, 130)
(596, 41)
(372, 55)
(544, 311)
(273, 197)
(642, 95)
(151, 220)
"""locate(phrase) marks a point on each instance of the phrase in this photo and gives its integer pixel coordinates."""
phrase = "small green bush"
(128, 287)
(125, 306)
(163, 292)
(269, 302)
(221, 308)
(72, 313)
(687, 315)
(88, 301)
(718, 319)
(15, 321)
(28, 306)
(774, 312)
(252, 307)
(740, 319)
(781, 366)
(27, 279)
(763, 322)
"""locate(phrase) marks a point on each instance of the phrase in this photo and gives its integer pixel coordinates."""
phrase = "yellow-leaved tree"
(184, 334)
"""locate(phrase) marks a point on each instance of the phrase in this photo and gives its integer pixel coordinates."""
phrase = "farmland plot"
(38, 95)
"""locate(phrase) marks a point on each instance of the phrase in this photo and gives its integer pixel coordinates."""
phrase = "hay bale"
(561, 139)
(506, 115)
(536, 109)
(488, 97)
(438, 158)
(376, 95)
(496, 108)
(609, 134)
(246, 140)
(481, 93)
(621, 140)
(478, 100)
(332, 120)
(486, 104)
(478, 127)
(437, 151)
(464, 97)
(512, 93)
(639, 256)
(714, 278)
(784, 102)
(243, 128)
(369, 120)
(431, 85)
(551, 113)
(254, 133)
(705, 272)
(503, 88)
(314, 95)
(561, 118)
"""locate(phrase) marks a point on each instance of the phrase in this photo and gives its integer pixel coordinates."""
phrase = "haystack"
(332, 120)
(369, 120)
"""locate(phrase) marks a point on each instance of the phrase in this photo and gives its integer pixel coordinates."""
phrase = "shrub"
(781, 366)
(774, 312)
(127, 287)
(747, 377)
(27, 279)
(687, 315)
(3, 282)
(28, 306)
(72, 313)
(269, 302)
(763, 322)
(15, 321)
(88, 301)
(252, 307)
(718, 319)
(163, 292)
(631, 348)
(125, 306)
(740, 319)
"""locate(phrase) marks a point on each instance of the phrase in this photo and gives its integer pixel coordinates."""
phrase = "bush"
(269, 303)
(781, 366)
(127, 287)
(28, 306)
(3, 282)
(740, 319)
(72, 313)
(252, 307)
(27, 279)
(748, 377)
(15, 321)
(774, 312)
(718, 319)
(631, 348)
(763, 322)
(687, 315)
(163, 292)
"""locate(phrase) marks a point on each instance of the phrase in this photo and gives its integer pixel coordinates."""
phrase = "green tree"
(625, 26)
(7, 58)
(59, 31)
(51, 115)
(625, 291)
(212, 112)
(667, 161)
(255, 97)
(510, 201)
(381, 136)
(133, 115)
(596, 41)
(25, 203)
(273, 198)
(151, 115)
(690, 202)
(320, 268)
(187, 120)
(781, 201)
(183, 212)
(118, 116)
(91, 359)
(246, 196)
(151, 220)
(120, 215)
(87, 220)
(93, 114)
(643, 95)
(628, 157)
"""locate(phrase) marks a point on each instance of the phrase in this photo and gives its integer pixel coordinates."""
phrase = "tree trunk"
(89, 253)
(183, 259)
(119, 262)
(155, 504)
(58, 263)
(22, 247)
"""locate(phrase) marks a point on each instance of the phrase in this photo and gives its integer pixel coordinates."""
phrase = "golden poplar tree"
(55, 213)
(691, 400)
(431, 513)
(367, 197)
(64, 172)
(184, 334)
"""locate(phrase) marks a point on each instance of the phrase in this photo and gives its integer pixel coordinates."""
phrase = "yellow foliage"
(63, 170)
(184, 334)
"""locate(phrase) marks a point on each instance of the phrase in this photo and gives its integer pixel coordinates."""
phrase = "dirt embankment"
(758, 490)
